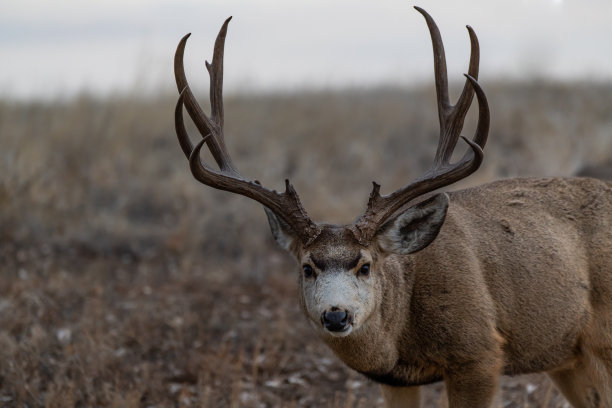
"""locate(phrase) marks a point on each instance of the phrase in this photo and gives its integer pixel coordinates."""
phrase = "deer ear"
(281, 231)
(415, 228)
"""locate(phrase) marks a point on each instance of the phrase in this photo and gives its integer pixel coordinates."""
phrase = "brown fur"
(511, 277)
(517, 281)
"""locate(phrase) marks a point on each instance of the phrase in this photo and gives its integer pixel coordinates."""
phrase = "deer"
(505, 278)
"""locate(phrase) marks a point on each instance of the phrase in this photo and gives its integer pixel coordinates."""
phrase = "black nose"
(335, 320)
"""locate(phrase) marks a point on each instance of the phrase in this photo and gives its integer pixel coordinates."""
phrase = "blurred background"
(124, 282)
(66, 47)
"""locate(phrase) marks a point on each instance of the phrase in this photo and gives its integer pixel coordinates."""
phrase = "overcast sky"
(61, 47)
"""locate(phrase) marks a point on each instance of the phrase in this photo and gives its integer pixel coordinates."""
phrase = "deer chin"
(348, 330)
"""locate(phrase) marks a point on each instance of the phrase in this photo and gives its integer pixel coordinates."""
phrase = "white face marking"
(342, 289)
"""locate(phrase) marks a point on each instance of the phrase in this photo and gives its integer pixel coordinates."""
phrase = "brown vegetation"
(126, 283)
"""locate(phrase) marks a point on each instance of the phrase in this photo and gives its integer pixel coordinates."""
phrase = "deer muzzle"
(336, 320)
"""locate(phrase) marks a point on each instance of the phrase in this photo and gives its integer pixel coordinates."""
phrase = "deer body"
(507, 278)
(517, 281)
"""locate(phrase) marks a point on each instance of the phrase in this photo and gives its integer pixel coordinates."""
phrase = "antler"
(381, 208)
(285, 205)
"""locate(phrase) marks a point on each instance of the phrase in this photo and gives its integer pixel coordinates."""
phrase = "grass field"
(125, 283)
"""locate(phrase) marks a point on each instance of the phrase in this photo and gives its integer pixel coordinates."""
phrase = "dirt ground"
(125, 283)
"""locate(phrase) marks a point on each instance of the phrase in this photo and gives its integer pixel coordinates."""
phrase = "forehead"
(335, 247)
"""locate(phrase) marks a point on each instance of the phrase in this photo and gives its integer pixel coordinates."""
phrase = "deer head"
(342, 265)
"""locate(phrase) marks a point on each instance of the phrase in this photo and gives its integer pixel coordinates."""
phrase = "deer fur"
(516, 279)
(508, 278)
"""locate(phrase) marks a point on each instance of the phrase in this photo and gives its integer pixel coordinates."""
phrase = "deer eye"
(308, 271)
(364, 270)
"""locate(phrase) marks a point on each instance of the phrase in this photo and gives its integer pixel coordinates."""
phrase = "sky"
(60, 48)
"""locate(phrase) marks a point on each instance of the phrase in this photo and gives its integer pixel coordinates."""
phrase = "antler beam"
(285, 205)
(381, 208)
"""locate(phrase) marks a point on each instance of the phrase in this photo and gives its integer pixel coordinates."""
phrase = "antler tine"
(215, 71)
(381, 208)
(465, 99)
(179, 126)
(204, 124)
(484, 119)
(285, 205)
(451, 117)
(444, 104)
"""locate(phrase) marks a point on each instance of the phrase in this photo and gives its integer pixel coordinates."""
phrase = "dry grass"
(124, 283)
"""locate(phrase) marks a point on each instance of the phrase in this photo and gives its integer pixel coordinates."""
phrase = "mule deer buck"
(506, 278)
